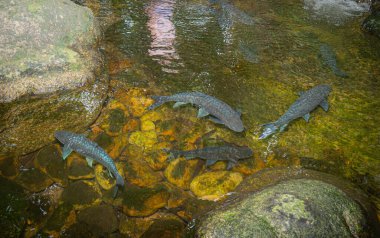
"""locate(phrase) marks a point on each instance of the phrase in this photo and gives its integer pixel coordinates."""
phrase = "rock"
(135, 99)
(180, 172)
(214, 185)
(13, 209)
(81, 194)
(139, 173)
(58, 218)
(78, 168)
(9, 167)
(134, 227)
(45, 62)
(156, 158)
(143, 139)
(50, 162)
(42, 53)
(103, 177)
(294, 208)
(147, 125)
(372, 23)
(101, 219)
(165, 226)
(115, 117)
(34, 180)
(138, 201)
(78, 230)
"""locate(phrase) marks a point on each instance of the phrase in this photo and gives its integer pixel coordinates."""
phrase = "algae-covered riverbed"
(254, 55)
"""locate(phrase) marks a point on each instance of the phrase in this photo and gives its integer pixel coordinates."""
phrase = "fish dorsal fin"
(325, 105)
(178, 104)
(210, 162)
(66, 151)
(89, 161)
(216, 120)
(202, 112)
(306, 117)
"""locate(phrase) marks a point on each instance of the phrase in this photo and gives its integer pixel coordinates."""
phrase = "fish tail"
(269, 129)
(119, 182)
(115, 190)
(172, 153)
(158, 101)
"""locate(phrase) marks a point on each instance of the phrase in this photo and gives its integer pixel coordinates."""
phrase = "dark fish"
(220, 112)
(307, 102)
(237, 14)
(329, 57)
(89, 149)
(213, 154)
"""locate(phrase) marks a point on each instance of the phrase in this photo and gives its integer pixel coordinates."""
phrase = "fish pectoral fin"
(178, 104)
(210, 162)
(110, 174)
(66, 151)
(89, 161)
(282, 128)
(325, 105)
(230, 165)
(202, 112)
(216, 120)
(306, 117)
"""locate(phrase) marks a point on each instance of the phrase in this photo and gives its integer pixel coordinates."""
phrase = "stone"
(294, 208)
(78, 168)
(134, 227)
(58, 218)
(50, 162)
(101, 219)
(56, 56)
(147, 125)
(372, 23)
(9, 167)
(138, 201)
(34, 180)
(81, 194)
(181, 172)
(139, 173)
(115, 118)
(143, 139)
(103, 177)
(165, 225)
(215, 185)
(13, 209)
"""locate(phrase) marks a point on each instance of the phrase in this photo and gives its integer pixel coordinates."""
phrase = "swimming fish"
(329, 57)
(213, 154)
(89, 149)
(307, 102)
(219, 111)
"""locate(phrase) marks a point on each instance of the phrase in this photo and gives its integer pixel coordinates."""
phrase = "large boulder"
(372, 23)
(47, 46)
(299, 207)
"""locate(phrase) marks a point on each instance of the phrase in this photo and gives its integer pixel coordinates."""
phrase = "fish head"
(269, 130)
(325, 89)
(246, 152)
(63, 136)
(236, 125)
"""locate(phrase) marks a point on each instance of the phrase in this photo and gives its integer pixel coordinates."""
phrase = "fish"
(215, 153)
(237, 14)
(218, 111)
(329, 57)
(307, 102)
(89, 149)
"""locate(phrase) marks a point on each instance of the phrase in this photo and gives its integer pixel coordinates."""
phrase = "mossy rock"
(49, 161)
(177, 196)
(81, 194)
(134, 227)
(78, 168)
(147, 125)
(194, 208)
(180, 172)
(131, 125)
(112, 145)
(214, 185)
(138, 172)
(115, 118)
(372, 23)
(156, 158)
(34, 180)
(138, 201)
(294, 208)
(57, 220)
(165, 226)
(100, 218)
(103, 177)
(13, 209)
(9, 167)
(77, 230)
(143, 139)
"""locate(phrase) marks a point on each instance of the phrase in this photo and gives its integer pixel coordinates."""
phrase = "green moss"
(116, 120)
(57, 219)
(104, 140)
(134, 197)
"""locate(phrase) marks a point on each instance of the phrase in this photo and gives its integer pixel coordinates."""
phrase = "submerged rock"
(165, 225)
(101, 219)
(81, 194)
(34, 180)
(372, 23)
(298, 208)
(9, 167)
(143, 139)
(139, 173)
(181, 172)
(78, 168)
(214, 185)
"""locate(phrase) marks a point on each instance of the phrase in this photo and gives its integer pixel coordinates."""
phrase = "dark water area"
(254, 55)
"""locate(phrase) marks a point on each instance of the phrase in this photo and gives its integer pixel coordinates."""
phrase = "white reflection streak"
(162, 32)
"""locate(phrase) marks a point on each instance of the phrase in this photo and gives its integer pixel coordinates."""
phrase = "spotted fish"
(218, 111)
(213, 154)
(307, 102)
(89, 149)
(329, 58)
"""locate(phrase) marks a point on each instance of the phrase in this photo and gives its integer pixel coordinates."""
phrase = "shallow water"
(256, 56)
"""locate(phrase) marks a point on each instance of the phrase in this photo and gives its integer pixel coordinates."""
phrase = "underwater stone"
(165, 225)
(139, 173)
(294, 208)
(9, 167)
(101, 219)
(13, 209)
(144, 139)
(103, 178)
(115, 118)
(34, 180)
(81, 194)
(49, 161)
(372, 23)
(147, 125)
(58, 218)
(78, 168)
(214, 185)
(180, 172)
(134, 227)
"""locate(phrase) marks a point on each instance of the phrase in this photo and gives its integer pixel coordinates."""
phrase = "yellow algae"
(131, 125)
(139, 105)
(144, 139)
(249, 166)
(147, 125)
(152, 116)
(214, 185)
(103, 178)
(180, 172)
(139, 173)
